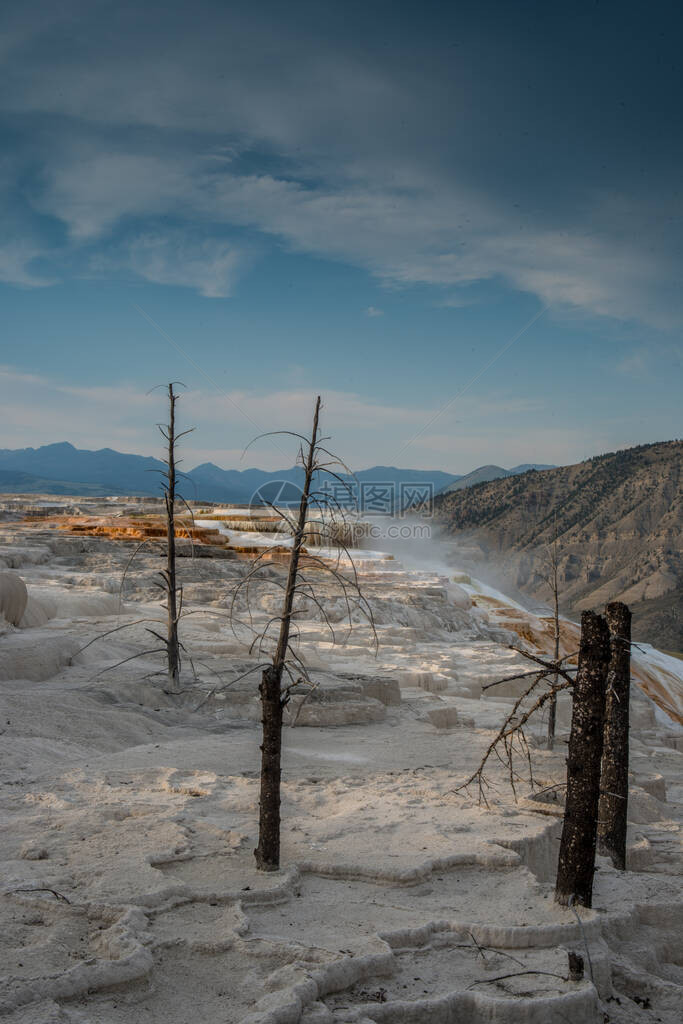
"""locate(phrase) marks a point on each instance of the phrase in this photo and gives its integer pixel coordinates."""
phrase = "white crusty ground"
(129, 817)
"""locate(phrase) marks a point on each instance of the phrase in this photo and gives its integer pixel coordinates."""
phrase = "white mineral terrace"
(129, 891)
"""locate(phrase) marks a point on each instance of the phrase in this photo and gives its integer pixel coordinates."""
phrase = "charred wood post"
(576, 864)
(267, 853)
(613, 809)
(575, 966)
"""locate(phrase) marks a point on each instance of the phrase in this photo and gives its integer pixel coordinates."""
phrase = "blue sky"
(370, 201)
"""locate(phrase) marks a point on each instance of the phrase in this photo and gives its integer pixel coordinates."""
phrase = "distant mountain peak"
(483, 474)
(62, 468)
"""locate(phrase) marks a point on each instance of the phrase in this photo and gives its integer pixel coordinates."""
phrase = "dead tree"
(169, 580)
(576, 863)
(169, 644)
(549, 575)
(286, 671)
(613, 808)
(267, 852)
(172, 646)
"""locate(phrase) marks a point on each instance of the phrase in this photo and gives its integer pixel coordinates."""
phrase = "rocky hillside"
(618, 522)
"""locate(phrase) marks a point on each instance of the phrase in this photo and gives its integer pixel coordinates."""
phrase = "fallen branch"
(489, 949)
(502, 977)
(57, 895)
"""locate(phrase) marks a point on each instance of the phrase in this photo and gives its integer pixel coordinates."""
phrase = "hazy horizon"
(246, 465)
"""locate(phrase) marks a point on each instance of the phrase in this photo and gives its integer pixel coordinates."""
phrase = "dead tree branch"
(511, 731)
(511, 736)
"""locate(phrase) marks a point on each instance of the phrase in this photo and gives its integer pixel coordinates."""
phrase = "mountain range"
(63, 469)
(617, 519)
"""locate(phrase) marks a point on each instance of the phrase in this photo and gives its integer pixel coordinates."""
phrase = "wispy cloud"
(635, 364)
(373, 311)
(402, 237)
(15, 265)
(223, 119)
(210, 266)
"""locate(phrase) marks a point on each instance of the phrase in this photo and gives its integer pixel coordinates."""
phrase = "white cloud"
(457, 300)
(90, 190)
(210, 266)
(373, 311)
(15, 260)
(635, 364)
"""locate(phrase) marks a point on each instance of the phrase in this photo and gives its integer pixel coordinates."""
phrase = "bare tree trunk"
(613, 809)
(172, 645)
(576, 864)
(267, 853)
(552, 580)
(552, 707)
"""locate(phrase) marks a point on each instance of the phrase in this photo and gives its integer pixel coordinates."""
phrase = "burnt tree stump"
(267, 852)
(613, 808)
(575, 966)
(576, 863)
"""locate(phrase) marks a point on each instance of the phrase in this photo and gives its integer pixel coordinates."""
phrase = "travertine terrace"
(129, 891)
